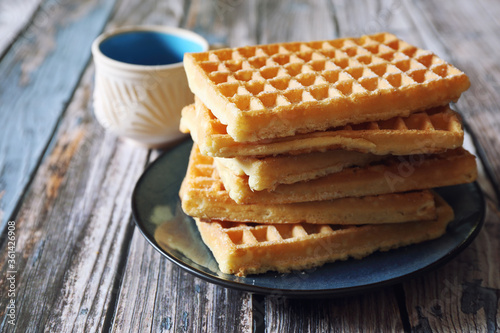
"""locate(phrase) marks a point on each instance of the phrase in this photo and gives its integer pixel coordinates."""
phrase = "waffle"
(244, 249)
(427, 132)
(279, 90)
(266, 173)
(394, 174)
(203, 195)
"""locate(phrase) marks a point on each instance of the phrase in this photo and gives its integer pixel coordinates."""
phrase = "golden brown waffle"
(279, 90)
(266, 173)
(421, 133)
(244, 249)
(394, 174)
(203, 195)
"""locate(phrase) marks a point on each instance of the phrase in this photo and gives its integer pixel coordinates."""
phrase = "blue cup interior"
(148, 48)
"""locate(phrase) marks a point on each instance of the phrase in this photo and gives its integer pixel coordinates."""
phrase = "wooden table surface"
(79, 263)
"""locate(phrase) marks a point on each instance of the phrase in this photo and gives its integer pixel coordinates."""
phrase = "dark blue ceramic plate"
(157, 212)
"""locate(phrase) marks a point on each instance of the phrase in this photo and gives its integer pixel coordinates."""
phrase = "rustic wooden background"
(81, 264)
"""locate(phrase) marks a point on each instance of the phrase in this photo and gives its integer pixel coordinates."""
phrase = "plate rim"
(300, 293)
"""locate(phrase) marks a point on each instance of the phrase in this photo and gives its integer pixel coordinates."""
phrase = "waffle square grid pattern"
(243, 249)
(283, 76)
(204, 196)
(431, 131)
(244, 233)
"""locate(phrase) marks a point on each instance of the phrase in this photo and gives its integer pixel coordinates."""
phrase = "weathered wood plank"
(355, 18)
(135, 307)
(224, 23)
(90, 211)
(72, 225)
(39, 75)
(285, 21)
(133, 12)
(372, 312)
(14, 16)
(158, 296)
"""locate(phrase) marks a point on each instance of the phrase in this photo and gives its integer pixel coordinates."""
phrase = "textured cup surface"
(140, 83)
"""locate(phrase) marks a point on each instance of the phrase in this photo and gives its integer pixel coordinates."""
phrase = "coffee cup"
(140, 82)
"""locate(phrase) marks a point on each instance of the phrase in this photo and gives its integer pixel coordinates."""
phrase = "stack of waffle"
(307, 153)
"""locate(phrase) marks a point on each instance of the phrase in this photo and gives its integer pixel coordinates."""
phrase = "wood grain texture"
(14, 17)
(158, 296)
(285, 21)
(138, 290)
(39, 75)
(72, 225)
(371, 312)
(224, 23)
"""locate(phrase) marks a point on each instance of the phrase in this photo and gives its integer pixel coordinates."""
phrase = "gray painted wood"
(39, 75)
(73, 225)
(14, 17)
(224, 23)
(372, 312)
(75, 219)
(157, 296)
(279, 21)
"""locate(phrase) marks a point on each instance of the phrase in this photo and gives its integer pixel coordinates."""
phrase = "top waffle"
(280, 90)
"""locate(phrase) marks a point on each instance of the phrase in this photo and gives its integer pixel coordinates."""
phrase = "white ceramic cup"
(140, 83)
